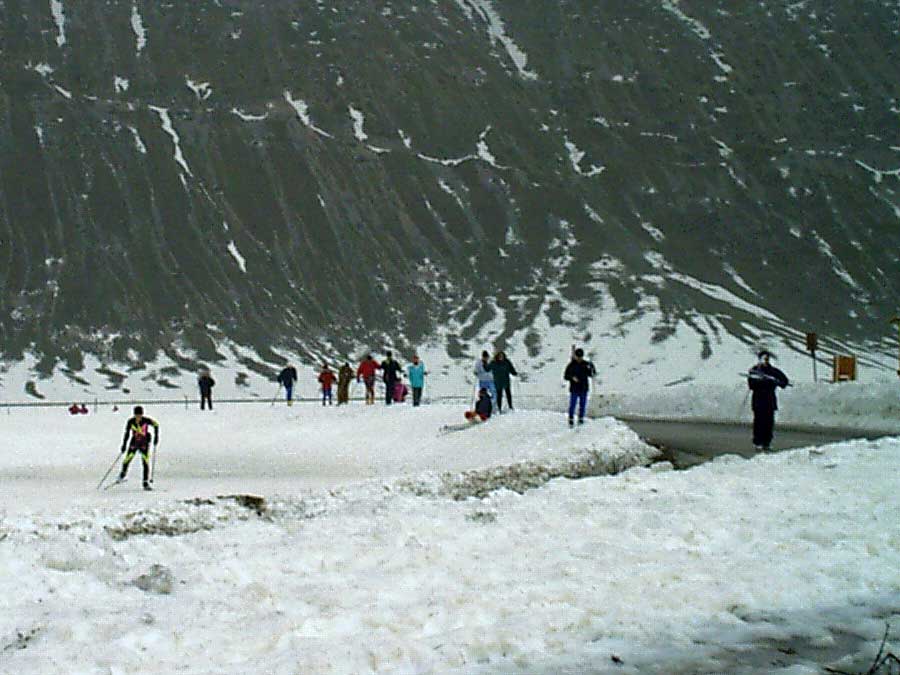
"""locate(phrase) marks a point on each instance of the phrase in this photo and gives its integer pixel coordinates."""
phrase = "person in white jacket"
(485, 376)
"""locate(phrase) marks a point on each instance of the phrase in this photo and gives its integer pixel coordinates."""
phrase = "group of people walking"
(494, 381)
(395, 390)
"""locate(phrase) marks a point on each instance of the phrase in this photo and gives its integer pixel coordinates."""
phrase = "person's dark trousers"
(289, 392)
(763, 427)
(417, 395)
(580, 398)
(204, 399)
(326, 396)
(508, 390)
(388, 393)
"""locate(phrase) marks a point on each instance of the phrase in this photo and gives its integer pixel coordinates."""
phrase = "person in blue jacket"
(416, 372)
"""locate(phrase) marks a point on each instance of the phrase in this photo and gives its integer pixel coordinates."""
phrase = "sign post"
(812, 343)
(896, 320)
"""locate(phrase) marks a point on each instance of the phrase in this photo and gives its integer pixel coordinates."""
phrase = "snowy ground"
(384, 547)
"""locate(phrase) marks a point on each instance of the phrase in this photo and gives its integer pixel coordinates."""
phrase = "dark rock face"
(283, 173)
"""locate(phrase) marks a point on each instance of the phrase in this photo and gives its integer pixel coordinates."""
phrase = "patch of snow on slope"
(576, 156)
(247, 117)
(137, 25)
(836, 266)
(236, 254)
(484, 151)
(302, 109)
(358, 122)
(497, 33)
(120, 84)
(170, 130)
(202, 90)
(59, 18)
(137, 141)
(701, 31)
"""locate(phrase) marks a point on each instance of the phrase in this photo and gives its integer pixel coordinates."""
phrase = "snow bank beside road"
(871, 406)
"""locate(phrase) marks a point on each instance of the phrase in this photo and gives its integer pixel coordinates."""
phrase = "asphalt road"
(687, 444)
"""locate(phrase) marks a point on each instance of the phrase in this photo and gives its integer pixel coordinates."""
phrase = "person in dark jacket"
(501, 368)
(139, 428)
(763, 379)
(205, 383)
(286, 378)
(345, 376)
(578, 374)
(483, 407)
(390, 371)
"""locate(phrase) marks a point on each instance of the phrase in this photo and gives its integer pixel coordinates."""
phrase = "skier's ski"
(451, 428)
(117, 481)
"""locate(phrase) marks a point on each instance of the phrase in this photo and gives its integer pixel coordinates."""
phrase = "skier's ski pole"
(275, 398)
(108, 471)
(153, 462)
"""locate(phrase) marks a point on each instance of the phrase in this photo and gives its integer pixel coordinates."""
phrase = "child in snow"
(483, 408)
(400, 390)
(326, 379)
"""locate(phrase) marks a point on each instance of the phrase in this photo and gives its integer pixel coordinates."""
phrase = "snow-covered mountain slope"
(237, 184)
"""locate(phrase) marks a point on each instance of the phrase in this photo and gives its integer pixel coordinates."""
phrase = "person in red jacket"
(366, 371)
(326, 379)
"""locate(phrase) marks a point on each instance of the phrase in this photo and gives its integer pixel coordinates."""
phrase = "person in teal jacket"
(416, 372)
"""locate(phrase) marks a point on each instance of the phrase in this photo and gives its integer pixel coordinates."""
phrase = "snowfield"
(377, 545)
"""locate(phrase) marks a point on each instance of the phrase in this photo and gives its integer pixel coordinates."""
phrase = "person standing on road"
(501, 368)
(763, 379)
(484, 375)
(205, 383)
(139, 428)
(578, 374)
(390, 371)
(345, 376)
(366, 371)
(287, 377)
(416, 373)
(326, 379)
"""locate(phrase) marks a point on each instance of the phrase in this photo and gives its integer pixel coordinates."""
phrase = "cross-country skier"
(501, 368)
(139, 428)
(345, 376)
(286, 378)
(763, 379)
(390, 372)
(483, 373)
(205, 383)
(366, 371)
(416, 372)
(578, 373)
(326, 379)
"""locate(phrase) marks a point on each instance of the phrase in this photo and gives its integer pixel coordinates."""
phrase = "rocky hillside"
(314, 176)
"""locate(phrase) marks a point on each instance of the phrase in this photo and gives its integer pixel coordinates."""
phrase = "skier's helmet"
(138, 410)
